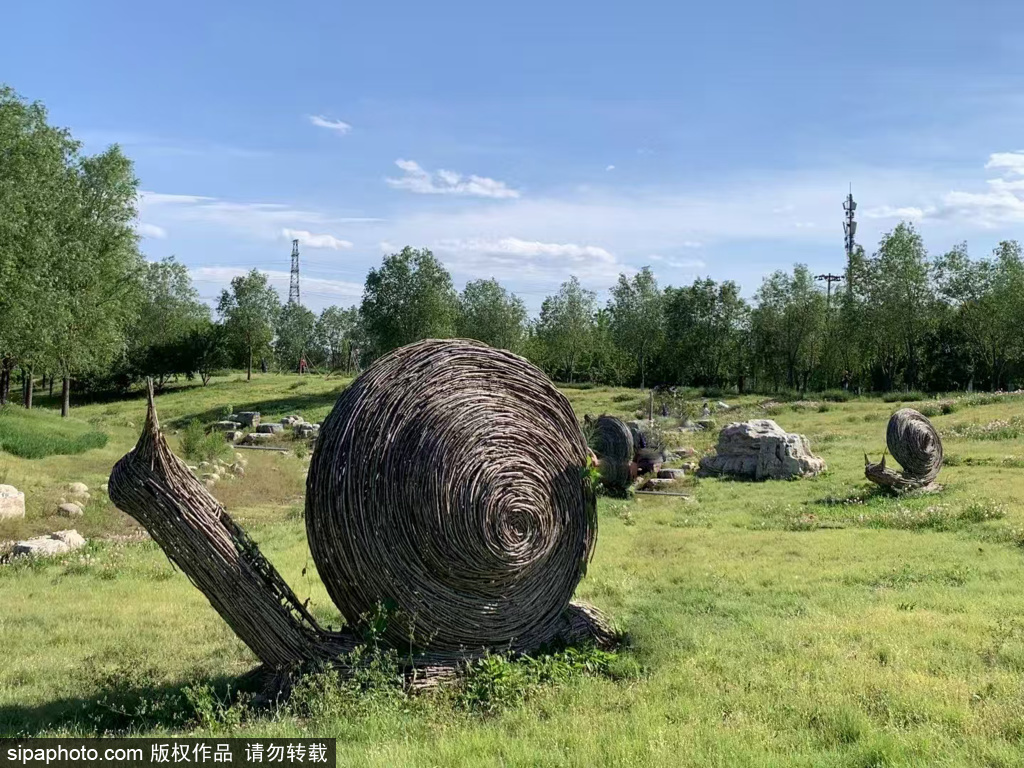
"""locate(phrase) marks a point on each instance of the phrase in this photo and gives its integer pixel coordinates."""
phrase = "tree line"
(81, 305)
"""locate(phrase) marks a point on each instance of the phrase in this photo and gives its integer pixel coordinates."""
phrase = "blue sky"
(529, 141)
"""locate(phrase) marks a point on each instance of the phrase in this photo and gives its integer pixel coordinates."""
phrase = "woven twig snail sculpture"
(916, 445)
(448, 484)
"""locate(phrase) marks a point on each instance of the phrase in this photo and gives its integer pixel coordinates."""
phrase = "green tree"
(95, 268)
(637, 318)
(489, 313)
(34, 207)
(566, 327)
(408, 298)
(206, 350)
(336, 335)
(169, 311)
(702, 332)
(982, 308)
(250, 310)
(899, 305)
(789, 324)
(295, 335)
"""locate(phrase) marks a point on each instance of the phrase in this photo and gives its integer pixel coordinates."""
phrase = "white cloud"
(803, 224)
(421, 181)
(160, 198)
(691, 244)
(891, 212)
(220, 276)
(609, 167)
(151, 231)
(513, 258)
(1001, 203)
(338, 126)
(531, 249)
(311, 240)
(266, 221)
(1010, 162)
(686, 263)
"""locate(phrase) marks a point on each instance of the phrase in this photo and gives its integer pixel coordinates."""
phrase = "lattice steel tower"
(293, 289)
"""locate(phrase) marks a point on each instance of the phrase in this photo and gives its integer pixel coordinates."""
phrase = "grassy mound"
(38, 433)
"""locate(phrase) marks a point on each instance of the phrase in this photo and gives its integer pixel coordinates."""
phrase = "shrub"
(836, 396)
(197, 445)
(39, 433)
(498, 681)
(913, 396)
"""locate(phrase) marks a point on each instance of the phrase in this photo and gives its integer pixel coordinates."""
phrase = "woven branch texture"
(916, 445)
(447, 484)
(612, 441)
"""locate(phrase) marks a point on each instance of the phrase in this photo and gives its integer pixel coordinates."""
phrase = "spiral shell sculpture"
(447, 485)
(916, 445)
(612, 441)
(448, 488)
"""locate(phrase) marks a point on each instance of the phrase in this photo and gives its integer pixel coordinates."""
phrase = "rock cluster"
(761, 450)
(57, 543)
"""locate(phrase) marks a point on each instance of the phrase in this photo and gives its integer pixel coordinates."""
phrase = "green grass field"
(808, 623)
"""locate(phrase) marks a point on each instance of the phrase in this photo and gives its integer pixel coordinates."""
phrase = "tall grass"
(39, 433)
(196, 445)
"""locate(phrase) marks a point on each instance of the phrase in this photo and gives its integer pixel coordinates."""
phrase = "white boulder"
(761, 450)
(57, 543)
(12, 503)
(68, 509)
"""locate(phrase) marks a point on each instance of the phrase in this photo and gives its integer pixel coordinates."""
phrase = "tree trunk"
(248, 369)
(28, 389)
(3, 386)
(51, 385)
(65, 397)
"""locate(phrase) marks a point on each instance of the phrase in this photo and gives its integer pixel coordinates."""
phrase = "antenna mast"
(293, 289)
(850, 230)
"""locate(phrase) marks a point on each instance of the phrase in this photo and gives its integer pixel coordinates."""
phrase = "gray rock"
(270, 429)
(761, 450)
(227, 426)
(78, 488)
(670, 474)
(307, 430)
(234, 436)
(722, 406)
(57, 543)
(249, 418)
(255, 438)
(68, 509)
(12, 503)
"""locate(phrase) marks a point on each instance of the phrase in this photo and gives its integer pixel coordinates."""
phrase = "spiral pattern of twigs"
(448, 486)
(612, 441)
(915, 444)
